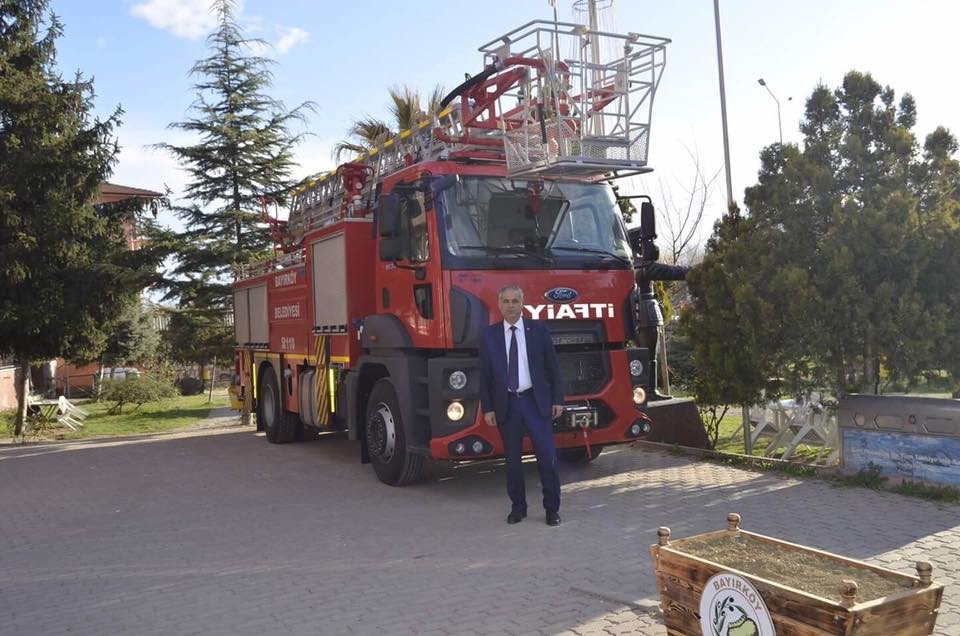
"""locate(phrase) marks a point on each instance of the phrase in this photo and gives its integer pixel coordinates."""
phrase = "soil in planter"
(809, 572)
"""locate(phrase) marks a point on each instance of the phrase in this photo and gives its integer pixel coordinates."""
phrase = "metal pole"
(779, 124)
(246, 366)
(213, 378)
(554, 86)
(595, 51)
(723, 106)
(747, 433)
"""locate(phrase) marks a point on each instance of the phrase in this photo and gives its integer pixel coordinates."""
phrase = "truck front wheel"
(386, 443)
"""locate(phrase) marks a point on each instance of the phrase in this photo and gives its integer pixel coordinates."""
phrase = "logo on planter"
(731, 606)
(561, 294)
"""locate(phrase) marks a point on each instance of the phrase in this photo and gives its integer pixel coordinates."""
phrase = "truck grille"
(584, 372)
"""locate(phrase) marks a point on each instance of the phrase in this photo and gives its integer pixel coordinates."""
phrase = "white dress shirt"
(524, 370)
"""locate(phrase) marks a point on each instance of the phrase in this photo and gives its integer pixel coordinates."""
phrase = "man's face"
(511, 305)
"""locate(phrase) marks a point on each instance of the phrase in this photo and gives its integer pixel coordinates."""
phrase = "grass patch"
(925, 491)
(759, 463)
(870, 477)
(153, 417)
(730, 436)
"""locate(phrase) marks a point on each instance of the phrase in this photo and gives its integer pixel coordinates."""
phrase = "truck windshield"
(533, 224)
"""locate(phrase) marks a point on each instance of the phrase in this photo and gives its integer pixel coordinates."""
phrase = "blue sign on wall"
(911, 456)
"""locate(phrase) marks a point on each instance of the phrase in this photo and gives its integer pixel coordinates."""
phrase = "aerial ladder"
(530, 107)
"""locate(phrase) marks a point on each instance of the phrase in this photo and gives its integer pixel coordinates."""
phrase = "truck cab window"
(418, 239)
(557, 224)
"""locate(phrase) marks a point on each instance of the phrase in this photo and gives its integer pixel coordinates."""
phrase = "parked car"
(120, 373)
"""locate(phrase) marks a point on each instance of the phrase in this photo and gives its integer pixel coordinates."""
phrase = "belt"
(521, 393)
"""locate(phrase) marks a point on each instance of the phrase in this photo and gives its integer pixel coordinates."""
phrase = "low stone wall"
(908, 438)
(8, 388)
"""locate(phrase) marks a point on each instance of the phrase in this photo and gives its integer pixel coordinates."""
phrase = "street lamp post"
(779, 125)
(723, 106)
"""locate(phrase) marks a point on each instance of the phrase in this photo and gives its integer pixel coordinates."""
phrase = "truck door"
(409, 273)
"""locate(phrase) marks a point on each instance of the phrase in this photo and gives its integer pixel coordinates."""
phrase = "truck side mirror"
(388, 215)
(391, 248)
(648, 221)
(634, 235)
(410, 207)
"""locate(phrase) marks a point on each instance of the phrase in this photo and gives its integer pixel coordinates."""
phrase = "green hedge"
(139, 390)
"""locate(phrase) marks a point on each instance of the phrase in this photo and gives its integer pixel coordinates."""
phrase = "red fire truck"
(368, 321)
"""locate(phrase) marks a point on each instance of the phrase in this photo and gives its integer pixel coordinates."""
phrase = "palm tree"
(436, 96)
(405, 108)
(407, 113)
(367, 133)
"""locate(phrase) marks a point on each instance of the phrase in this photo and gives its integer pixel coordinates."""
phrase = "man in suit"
(521, 392)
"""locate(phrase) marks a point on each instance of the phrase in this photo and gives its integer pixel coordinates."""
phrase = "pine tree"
(63, 262)
(243, 154)
(190, 340)
(133, 337)
(844, 273)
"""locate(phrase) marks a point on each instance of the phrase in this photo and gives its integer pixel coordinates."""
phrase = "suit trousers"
(524, 417)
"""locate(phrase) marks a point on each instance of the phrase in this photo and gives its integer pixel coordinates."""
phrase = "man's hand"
(557, 410)
(491, 418)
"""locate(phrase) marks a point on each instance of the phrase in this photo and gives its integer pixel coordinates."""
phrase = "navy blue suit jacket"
(541, 359)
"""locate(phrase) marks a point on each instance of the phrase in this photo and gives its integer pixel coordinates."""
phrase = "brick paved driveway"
(220, 532)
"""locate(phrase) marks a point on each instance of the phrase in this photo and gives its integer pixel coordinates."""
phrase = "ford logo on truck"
(561, 295)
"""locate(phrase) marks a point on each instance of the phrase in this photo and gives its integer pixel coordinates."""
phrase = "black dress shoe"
(553, 518)
(515, 517)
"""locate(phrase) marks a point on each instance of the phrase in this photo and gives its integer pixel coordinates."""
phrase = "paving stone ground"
(214, 531)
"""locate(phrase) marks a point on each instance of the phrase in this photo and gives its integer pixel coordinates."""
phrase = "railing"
(792, 423)
(79, 385)
(580, 113)
(333, 196)
(251, 270)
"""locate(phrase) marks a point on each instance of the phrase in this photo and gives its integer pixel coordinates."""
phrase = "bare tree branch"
(683, 221)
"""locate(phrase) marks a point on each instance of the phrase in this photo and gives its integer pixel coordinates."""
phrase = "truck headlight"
(455, 411)
(457, 380)
(636, 368)
(639, 395)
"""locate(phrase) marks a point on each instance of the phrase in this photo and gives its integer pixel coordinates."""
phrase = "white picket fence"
(791, 423)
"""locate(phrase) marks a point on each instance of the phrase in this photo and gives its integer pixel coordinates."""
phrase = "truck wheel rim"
(268, 406)
(382, 433)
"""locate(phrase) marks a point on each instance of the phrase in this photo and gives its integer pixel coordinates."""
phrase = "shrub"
(137, 391)
(191, 386)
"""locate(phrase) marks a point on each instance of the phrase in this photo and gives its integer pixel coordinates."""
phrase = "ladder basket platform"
(563, 152)
(585, 103)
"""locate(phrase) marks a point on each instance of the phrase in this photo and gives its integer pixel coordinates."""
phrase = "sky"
(343, 56)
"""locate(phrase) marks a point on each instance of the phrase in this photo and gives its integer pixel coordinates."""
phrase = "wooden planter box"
(900, 604)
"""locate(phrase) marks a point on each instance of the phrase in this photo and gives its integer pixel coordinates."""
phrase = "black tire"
(386, 443)
(279, 426)
(579, 455)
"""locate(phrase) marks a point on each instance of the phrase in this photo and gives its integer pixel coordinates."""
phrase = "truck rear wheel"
(386, 443)
(279, 426)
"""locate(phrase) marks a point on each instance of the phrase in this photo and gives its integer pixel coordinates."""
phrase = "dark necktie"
(513, 363)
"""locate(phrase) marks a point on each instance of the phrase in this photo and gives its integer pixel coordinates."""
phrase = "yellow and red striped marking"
(322, 379)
